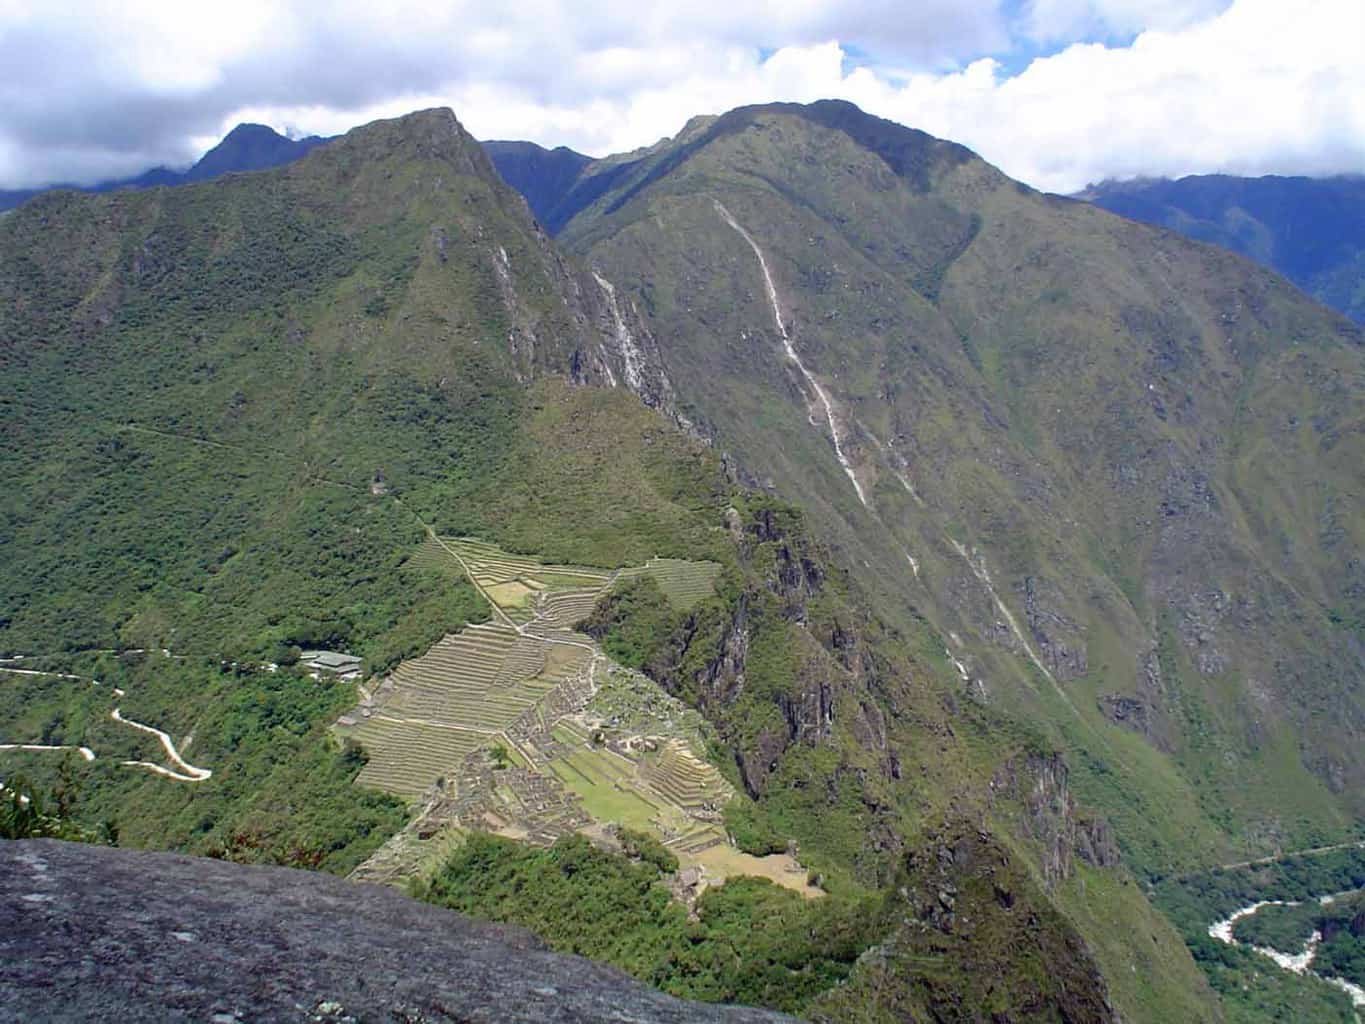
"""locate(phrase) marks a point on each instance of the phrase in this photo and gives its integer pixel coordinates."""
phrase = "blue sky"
(1058, 93)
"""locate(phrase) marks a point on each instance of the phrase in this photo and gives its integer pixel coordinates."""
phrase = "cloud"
(1169, 87)
(1050, 21)
(96, 88)
(1263, 87)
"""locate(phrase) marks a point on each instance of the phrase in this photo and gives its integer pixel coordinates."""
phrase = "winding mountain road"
(187, 773)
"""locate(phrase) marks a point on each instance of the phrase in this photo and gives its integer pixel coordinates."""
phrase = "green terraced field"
(430, 555)
(683, 582)
(472, 686)
(436, 709)
(406, 757)
(490, 565)
(685, 779)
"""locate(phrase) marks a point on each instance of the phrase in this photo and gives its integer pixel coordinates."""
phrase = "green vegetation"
(28, 813)
(242, 414)
(644, 847)
(1342, 951)
(1288, 928)
(754, 942)
(1253, 988)
(236, 412)
(1157, 488)
(632, 622)
(1032, 309)
(282, 787)
(1194, 902)
(1279, 926)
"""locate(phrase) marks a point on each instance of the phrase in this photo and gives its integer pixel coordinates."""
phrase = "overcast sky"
(1058, 93)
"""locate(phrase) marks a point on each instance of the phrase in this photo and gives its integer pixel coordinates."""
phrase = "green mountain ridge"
(239, 407)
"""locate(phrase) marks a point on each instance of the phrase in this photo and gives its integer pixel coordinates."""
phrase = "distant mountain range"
(248, 147)
(1312, 230)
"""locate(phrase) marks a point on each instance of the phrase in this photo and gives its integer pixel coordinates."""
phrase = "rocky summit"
(94, 934)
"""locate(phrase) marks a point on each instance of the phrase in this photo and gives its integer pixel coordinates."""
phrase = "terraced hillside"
(684, 583)
(524, 689)
(470, 689)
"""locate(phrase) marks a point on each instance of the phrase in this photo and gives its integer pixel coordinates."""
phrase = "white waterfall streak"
(820, 392)
(630, 352)
(979, 570)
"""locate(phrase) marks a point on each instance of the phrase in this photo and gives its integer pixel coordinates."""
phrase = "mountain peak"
(432, 134)
(913, 154)
(251, 130)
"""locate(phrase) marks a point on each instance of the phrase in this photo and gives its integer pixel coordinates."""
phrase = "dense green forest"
(752, 942)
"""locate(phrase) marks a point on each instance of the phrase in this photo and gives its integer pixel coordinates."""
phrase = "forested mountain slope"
(1312, 230)
(232, 412)
(1120, 471)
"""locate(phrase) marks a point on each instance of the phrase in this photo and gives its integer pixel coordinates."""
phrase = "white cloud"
(1254, 87)
(1050, 21)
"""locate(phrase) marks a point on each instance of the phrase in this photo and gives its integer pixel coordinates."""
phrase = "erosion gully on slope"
(630, 353)
(820, 393)
(976, 565)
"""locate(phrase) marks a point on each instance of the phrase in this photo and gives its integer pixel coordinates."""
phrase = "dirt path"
(85, 752)
(191, 773)
(1357, 844)
(35, 672)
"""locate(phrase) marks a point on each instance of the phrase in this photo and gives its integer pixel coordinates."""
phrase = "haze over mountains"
(1038, 533)
(1311, 230)
(248, 147)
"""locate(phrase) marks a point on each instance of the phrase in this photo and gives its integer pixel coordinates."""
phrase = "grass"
(595, 778)
(724, 861)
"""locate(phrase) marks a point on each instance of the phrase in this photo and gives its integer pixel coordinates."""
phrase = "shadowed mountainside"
(248, 147)
(1311, 230)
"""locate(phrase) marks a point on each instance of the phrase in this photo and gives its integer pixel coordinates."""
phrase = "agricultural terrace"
(684, 583)
(433, 711)
(581, 743)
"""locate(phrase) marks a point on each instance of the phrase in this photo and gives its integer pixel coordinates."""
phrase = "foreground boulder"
(90, 933)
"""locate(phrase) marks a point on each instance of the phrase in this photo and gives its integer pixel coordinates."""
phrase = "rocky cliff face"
(92, 933)
(1040, 785)
(970, 933)
(726, 661)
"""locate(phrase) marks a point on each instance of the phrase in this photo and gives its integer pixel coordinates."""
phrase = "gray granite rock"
(95, 934)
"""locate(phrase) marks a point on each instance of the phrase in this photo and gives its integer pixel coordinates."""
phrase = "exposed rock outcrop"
(91, 933)
(1040, 784)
